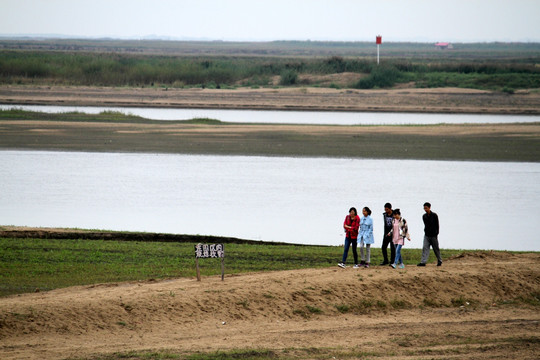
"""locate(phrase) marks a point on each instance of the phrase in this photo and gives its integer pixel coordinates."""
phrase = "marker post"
(378, 41)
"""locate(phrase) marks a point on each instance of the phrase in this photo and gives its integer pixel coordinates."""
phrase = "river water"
(289, 117)
(481, 205)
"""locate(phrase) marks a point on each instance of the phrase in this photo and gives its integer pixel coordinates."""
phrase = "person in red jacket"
(351, 225)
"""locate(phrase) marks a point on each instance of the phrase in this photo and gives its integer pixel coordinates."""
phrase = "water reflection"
(297, 200)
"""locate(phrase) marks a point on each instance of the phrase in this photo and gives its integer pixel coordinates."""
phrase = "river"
(289, 117)
(481, 205)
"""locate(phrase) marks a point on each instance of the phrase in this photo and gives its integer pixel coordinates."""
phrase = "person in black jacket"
(431, 233)
(387, 240)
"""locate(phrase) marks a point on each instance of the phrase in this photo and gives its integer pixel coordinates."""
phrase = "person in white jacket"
(365, 237)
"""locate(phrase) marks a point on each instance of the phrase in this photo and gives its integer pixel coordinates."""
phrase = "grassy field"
(494, 50)
(45, 264)
(501, 67)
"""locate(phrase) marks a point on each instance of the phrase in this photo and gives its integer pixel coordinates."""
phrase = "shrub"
(336, 64)
(288, 77)
(314, 309)
(400, 304)
(460, 302)
(382, 76)
(508, 90)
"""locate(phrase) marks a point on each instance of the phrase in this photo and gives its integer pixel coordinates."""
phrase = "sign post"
(210, 251)
(378, 41)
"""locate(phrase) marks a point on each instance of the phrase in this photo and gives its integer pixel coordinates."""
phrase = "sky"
(267, 20)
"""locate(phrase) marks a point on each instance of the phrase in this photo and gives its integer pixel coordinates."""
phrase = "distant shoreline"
(124, 133)
(401, 100)
(97, 133)
(23, 232)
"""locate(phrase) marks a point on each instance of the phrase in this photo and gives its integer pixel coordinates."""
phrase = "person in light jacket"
(366, 236)
(350, 225)
(400, 231)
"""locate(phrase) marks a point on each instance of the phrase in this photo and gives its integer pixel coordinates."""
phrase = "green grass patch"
(505, 82)
(27, 265)
(342, 308)
(45, 264)
(313, 309)
(103, 117)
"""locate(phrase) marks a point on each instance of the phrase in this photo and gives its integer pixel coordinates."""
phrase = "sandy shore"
(488, 142)
(502, 142)
(443, 100)
(476, 306)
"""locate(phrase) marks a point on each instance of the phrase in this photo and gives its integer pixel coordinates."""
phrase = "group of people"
(359, 231)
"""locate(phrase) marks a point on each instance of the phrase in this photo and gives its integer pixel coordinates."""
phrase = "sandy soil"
(486, 142)
(470, 308)
(444, 100)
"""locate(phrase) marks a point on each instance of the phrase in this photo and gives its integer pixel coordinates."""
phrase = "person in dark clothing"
(431, 233)
(387, 240)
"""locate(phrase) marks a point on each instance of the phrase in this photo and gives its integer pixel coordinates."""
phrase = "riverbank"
(100, 133)
(24, 232)
(401, 99)
(477, 305)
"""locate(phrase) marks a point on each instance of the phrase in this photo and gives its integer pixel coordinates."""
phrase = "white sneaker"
(393, 265)
(342, 265)
(356, 266)
(401, 266)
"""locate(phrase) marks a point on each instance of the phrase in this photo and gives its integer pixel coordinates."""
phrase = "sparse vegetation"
(496, 66)
(27, 265)
(314, 309)
(460, 302)
(288, 77)
(400, 304)
(518, 144)
(381, 77)
(342, 308)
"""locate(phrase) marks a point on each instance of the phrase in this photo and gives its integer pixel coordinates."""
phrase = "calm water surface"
(289, 117)
(298, 200)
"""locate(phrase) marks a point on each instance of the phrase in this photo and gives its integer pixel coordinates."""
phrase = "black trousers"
(387, 240)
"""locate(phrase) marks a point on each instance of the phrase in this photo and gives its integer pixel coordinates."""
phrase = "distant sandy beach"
(440, 100)
(480, 142)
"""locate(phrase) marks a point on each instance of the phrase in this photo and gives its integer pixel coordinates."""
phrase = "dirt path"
(443, 100)
(480, 306)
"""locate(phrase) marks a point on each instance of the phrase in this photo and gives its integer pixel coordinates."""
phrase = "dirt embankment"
(477, 306)
(443, 100)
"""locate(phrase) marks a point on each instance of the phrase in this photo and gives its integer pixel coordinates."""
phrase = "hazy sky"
(347, 20)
